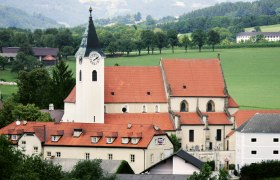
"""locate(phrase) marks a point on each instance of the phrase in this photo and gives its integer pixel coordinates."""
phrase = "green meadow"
(252, 75)
(270, 28)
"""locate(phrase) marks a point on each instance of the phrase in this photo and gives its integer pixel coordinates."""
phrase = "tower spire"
(90, 40)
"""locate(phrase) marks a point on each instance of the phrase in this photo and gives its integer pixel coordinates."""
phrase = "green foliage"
(161, 40)
(172, 36)
(34, 87)
(265, 169)
(3, 62)
(148, 38)
(213, 38)
(223, 174)
(6, 115)
(211, 164)
(30, 113)
(89, 169)
(175, 141)
(24, 62)
(124, 168)
(231, 167)
(198, 38)
(67, 50)
(62, 83)
(185, 41)
(205, 173)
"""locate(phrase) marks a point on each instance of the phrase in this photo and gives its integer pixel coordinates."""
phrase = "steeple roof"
(90, 40)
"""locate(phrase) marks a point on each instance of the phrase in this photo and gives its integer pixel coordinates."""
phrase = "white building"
(258, 140)
(268, 36)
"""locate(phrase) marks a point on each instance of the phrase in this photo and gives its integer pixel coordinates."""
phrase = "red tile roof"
(190, 118)
(232, 103)
(130, 85)
(134, 84)
(162, 120)
(242, 116)
(89, 130)
(214, 118)
(71, 98)
(49, 58)
(201, 77)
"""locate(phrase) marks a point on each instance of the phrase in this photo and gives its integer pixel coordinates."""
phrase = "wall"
(175, 103)
(165, 167)
(135, 107)
(180, 166)
(264, 147)
(31, 142)
(69, 112)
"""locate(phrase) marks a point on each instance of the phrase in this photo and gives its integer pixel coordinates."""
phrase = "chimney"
(51, 107)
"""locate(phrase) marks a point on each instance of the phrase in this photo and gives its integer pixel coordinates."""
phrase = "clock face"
(94, 58)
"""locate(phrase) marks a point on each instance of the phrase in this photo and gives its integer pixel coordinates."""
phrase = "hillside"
(13, 17)
(271, 28)
(238, 9)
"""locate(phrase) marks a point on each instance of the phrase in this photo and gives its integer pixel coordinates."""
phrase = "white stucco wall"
(135, 107)
(165, 167)
(69, 112)
(264, 146)
(175, 103)
(182, 167)
(31, 141)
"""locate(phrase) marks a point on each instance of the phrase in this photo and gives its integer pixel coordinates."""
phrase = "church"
(129, 113)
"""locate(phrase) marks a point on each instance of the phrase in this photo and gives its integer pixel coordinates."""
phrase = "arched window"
(80, 75)
(210, 107)
(144, 108)
(184, 106)
(157, 108)
(94, 75)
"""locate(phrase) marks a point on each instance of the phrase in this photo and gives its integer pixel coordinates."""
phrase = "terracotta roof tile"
(49, 58)
(71, 98)
(134, 84)
(190, 118)
(200, 77)
(162, 120)
(242, 116)
(89, 130)
(232, 103)
(215, 118)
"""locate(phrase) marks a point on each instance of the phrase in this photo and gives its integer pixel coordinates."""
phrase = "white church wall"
(69, 112)
(193, 102)
(136, 107)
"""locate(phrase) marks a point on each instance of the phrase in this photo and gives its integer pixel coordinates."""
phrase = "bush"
(265, 169)
(211, 164)
(124, 168)
(231, 167)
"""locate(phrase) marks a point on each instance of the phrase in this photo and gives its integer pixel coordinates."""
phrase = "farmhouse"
(268, 36)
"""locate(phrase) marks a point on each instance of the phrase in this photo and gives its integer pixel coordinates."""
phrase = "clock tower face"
(94, 58)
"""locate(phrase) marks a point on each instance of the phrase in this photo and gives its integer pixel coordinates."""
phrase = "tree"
(175, 142)
(147, 37)
(34, 87)
(185, 42)
(26, 49)
(89, 169)
(3, 62)
(112, 47)
(37, 37)
(30, 113)
(67, 50)
(6, 116)
(257, 29)
(223, 174)
(62, 83)
(5, 38)
(150, 21)
(139, 45)
(161, 40)
(63, 38)
(199, 38)
(213, 38)
(205, 173)
(24, 62)
(138, 16)
(172, 36)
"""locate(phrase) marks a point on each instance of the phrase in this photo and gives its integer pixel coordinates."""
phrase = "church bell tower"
(90, 78)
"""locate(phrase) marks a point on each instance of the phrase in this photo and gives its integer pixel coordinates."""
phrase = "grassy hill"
(271, 28)
(13, 17)
(252, 75)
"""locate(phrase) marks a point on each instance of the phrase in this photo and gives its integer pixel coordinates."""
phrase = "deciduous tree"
(213, 38)
(199, 38)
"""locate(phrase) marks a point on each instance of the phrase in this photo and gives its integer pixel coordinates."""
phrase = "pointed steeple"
(90, 40)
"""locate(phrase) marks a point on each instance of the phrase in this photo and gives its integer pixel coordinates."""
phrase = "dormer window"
(125, 140)
(14, 137)
(135, 140)
(110, 140)
(55, 138)
(160, 141)
(77, 132)
(95, 140)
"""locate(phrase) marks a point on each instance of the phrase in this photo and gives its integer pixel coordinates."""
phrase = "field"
(252, 75)
(271, 28)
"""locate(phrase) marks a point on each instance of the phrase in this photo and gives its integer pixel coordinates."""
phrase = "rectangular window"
(87, 156)
(23, 143)
(125, 140)
(109, 140)
(275, 140)
(253, 152)
(275, 152)
(58, 154)
(35, 149)
(191, 135)
(14, 137)
(132, 157)
(253, 139)
(49, 153)
(110, 156)
(152, 158)
(94, 140)
(219, 135)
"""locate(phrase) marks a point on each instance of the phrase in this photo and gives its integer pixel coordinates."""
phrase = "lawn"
(6, 75)
(6, 91)
(252, 75)
(270, 28)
